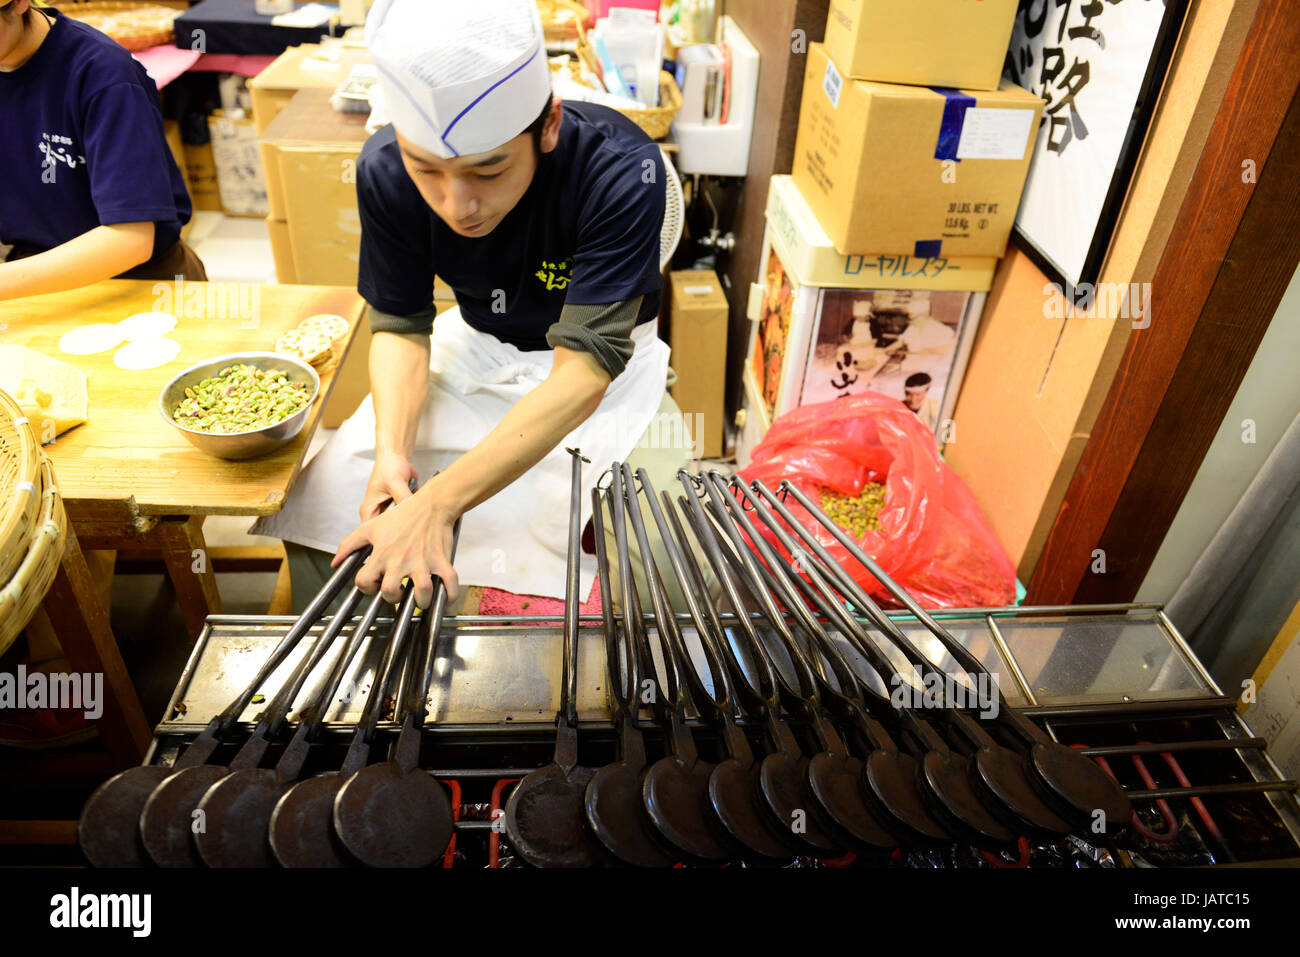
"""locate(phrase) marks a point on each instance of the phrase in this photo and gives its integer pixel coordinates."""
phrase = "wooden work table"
(126, 460)
(132, 484)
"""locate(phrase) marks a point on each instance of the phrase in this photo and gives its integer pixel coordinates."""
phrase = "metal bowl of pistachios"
(242, 405)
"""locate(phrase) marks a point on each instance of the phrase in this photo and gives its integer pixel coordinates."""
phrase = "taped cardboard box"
(698, 338)
(906, 169)
(956, 43)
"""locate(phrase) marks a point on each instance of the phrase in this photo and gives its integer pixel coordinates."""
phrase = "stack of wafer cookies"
(312, 340)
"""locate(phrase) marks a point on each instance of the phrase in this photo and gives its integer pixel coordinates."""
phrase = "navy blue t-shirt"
(586, 232)
(82, 144)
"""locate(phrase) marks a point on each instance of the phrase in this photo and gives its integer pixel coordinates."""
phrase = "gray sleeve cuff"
(604, 331)
(420, 323)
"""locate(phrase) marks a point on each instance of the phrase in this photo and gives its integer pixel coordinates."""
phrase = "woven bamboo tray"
(136, 26)
(20, 495)
(23, 593)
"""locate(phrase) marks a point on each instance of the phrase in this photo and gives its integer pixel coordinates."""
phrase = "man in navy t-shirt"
(90, 188)
(545, 220)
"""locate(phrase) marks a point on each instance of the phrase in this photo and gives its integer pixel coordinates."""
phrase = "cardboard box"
(955, 43)
(239, 164)
(321, 206)
(906, 169)
(274, 185)
(698, 338)
(311, 152)
(311, 66)
(281, 250)
(808, 251)
(201, 176)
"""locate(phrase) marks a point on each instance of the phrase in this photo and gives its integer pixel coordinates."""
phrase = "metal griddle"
(1102, 676)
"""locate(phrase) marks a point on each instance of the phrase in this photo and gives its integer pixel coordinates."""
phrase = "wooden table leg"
(189, 565)
(101, 563)
(87, 639)
(282, 597)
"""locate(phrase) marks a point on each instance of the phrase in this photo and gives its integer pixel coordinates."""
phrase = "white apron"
(518, 539)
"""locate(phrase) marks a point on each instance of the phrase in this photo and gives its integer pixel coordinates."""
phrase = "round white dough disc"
(87, 340)
(146, 354)
(147, 325)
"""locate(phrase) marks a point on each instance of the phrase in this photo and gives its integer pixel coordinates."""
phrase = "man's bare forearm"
(527, 434)
(98, 254)
(399, 384)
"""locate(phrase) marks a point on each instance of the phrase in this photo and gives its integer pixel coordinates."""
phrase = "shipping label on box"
(905, 169)
(957, 43)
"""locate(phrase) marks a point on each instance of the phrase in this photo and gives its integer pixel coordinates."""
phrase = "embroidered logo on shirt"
(555, 275)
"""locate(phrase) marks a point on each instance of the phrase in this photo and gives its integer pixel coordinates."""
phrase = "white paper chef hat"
(459, 77)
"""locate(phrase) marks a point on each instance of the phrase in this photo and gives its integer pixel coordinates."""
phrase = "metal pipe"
(1010, 659)
(1009, 611)
(1188, 655)
(1210, 790)
(1172, 747)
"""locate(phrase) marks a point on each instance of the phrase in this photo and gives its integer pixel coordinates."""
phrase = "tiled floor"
(233, 249)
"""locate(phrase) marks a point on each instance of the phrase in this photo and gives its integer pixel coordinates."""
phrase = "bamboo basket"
(562, 21)
(104, 16)
(656, 121)
(23, 593)
(20, 476)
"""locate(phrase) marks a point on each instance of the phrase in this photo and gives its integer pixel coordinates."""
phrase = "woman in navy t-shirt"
(89, 190)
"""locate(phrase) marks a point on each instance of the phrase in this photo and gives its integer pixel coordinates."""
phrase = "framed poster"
(812, 344)
(1100, 65)
(773, 334)
(899, 342)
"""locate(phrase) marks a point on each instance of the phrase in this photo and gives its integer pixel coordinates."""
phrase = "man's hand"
(410, 540)
(413, 538)
(390, 481)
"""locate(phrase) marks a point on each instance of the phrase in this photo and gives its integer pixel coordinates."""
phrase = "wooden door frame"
(1234, 243)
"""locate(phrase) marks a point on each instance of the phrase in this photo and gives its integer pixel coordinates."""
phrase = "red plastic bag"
(933, 539)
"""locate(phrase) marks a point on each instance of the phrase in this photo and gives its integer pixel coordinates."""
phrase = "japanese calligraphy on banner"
(1099, 65)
